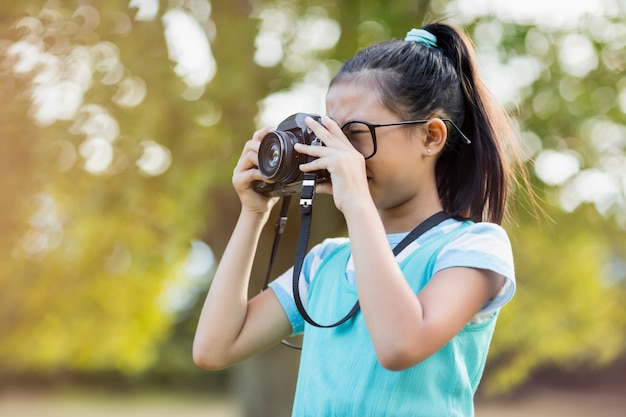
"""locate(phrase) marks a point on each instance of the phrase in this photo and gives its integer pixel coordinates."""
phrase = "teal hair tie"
(422, 36)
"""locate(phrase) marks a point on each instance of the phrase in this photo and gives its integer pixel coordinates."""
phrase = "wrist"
(252, 216)
(359, 208)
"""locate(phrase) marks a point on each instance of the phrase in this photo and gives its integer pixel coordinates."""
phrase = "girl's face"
(397, 173)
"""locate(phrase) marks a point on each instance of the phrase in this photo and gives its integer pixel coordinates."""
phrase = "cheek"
(400, 149)
(402, 164)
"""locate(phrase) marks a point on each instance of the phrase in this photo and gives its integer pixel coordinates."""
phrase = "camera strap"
(279, 228)
(306, 209)
(306, 212)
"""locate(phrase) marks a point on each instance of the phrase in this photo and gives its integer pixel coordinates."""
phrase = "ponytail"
(479, 185)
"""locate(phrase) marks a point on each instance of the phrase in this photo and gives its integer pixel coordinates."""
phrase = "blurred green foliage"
(112, 164)
(92, 236)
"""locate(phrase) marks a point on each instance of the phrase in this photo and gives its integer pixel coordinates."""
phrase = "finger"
(324, 187)
(249, 156)
(329, 133)
(331, 126)
(250, 151)
(251, 146)
(248, 161)
(312, 151)
(320, 131)
(247, 177)
(260, 134)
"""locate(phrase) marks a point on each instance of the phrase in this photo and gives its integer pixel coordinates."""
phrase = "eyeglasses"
(362, 135)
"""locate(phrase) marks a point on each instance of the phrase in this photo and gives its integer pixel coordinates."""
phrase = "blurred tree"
(105, 166)
(568, 312)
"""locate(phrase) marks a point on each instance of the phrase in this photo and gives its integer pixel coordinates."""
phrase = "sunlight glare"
(155, 160)
(555, 168)
(189, 47)
(555, 13)
(591, 186)
(146, 9)
(181, 292)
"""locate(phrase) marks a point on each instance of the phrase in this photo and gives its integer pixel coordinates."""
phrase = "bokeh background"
(120, 124)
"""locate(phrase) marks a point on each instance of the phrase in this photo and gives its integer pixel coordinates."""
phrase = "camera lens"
(277, 158)
(273, 156)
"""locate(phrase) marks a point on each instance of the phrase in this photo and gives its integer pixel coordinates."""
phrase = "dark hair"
(416, 81)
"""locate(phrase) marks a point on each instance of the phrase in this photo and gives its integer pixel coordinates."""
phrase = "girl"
(410, 132)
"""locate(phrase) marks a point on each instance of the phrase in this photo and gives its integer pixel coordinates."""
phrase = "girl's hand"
(345, 164)
(246, 172)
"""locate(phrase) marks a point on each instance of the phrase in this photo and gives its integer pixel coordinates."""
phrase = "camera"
(279, 162)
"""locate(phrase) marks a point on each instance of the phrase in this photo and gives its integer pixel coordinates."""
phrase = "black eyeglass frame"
(372, 128)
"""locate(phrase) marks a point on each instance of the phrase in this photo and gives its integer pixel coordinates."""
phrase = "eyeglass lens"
(360, 136)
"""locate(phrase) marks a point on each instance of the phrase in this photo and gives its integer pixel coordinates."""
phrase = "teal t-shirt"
(339, 373)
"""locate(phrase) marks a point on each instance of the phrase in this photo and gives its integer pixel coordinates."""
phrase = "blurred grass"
(81, 402)
(93, 403)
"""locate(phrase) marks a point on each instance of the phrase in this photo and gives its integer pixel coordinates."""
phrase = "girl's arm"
(230, 327)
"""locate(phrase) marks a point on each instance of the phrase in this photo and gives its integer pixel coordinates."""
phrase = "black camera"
(279, 162)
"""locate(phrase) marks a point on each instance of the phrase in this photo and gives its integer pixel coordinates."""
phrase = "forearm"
(225, 308)
(392, 312)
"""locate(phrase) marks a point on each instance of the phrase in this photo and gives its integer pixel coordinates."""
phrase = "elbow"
(392, 363)
(393, 366)
(204, 363)
(206, 358)
(397, 357)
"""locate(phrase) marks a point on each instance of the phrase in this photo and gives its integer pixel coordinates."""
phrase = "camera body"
(279, 163)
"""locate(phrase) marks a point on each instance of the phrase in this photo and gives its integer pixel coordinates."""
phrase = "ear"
(436, 136)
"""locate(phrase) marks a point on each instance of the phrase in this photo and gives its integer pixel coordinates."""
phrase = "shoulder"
(322, 250)
(483, 236)
(327, 246)
(283, 285)
(478, 245)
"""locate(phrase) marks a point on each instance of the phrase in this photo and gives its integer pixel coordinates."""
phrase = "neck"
(405, 217)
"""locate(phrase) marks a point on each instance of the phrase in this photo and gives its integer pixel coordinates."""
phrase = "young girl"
(410, 132)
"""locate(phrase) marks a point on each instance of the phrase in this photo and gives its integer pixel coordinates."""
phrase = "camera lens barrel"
(278, 161)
